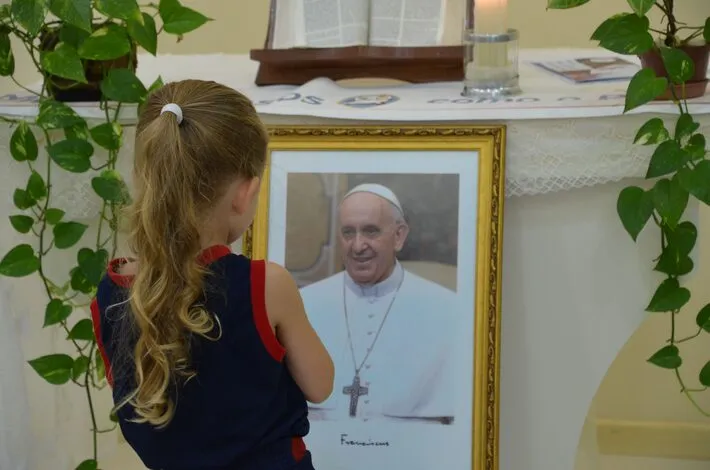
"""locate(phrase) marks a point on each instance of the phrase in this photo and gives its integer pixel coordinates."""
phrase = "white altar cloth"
(574, 285)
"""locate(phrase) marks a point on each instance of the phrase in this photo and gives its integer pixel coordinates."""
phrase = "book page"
(407, 23)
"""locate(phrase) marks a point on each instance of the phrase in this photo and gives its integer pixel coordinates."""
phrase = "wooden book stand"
(411, 64)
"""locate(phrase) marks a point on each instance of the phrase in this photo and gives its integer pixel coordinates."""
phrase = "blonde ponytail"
(180, 169)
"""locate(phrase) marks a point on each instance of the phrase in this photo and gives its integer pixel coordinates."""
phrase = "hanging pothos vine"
(675, 64)
(83, 49)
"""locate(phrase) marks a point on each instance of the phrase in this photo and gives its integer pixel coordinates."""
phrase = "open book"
(342, 23)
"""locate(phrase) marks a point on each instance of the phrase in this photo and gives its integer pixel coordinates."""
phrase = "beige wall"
(632, 391)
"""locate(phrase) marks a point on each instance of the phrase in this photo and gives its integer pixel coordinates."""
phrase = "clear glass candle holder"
(491, 64)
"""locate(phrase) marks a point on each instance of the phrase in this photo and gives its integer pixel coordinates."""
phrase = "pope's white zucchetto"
(378, 190)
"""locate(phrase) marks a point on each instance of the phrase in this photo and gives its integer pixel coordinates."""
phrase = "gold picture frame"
(488, 142)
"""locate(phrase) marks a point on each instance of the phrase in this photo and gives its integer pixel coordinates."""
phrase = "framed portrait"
(394, 237)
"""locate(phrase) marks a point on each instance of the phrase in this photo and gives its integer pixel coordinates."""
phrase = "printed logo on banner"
(368, 101)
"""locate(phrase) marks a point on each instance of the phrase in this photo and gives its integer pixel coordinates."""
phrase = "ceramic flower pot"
(696, 86)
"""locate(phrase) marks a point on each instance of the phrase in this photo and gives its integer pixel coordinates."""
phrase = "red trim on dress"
(207, 256)
(258, 308)
(298, 448)
(96, 319)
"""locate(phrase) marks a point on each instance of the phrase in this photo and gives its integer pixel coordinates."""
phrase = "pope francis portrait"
(388, 330)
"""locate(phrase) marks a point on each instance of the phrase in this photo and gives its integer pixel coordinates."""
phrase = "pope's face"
(370, 237)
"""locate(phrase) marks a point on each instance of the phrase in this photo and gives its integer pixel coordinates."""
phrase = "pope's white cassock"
(408, 372)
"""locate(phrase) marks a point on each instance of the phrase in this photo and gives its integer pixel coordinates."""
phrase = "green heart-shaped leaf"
(53, 216)
(79, 282)
(36, 186)
(122, 9)
(56, 312)
(667, 358)
(73, 155)
(675, 259)
(697, 180)
(81, 365)
(634, 207)
(22, 199)
(652, 132)
(107, 43)
(22, 223)
(29, 14)
(7, 58)
(54, 368)
(669, 297)
(704, 375)
(20, 261)
(144, 32)
(56, 115)
(73, 12)
(667, 158)
(110, 187)
(641, 7)
(565, 4)
(123, 86)
(696, 147)
(625, 33)
(23, 144)
(68, 234)
(703, 318)
(64, 62)
(644, 88)
(82, 331)
(670, 200)
(92, 264)
(178, 19)
(108, 135)
(678, 64)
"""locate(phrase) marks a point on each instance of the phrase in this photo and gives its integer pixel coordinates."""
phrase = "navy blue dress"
(243, 410)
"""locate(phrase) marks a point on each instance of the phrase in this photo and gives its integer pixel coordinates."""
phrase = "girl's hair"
(180, 170)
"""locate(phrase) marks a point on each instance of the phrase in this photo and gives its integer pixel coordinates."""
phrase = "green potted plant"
(83, 50)
(678, 169)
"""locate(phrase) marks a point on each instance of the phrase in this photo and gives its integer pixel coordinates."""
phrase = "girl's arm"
(306, 357)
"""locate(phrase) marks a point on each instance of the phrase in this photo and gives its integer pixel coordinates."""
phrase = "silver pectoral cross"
(355, 391)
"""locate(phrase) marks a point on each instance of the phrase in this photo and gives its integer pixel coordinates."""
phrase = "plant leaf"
(108, 135)
(670, 200)
(123, 86)
(56, 312)
(79, 282)
(625, 33)
(565, 4)
(56, 115)
(30, 14)
(667, 358)
(64, 62)
(706, 30)
(669, 296)
(106, 43)
(644, 88)
(634, 207)
(99, 365)
(697, 180)
(36, 186)
(7, 58)
(22, 199)
(22, 223)
(703, 318)
(678, 64)
(675, 259)
(90, 464)
(667, 158)
(53, 216)
(20, 261)
(73, 12)
(72, 35)
(110, 186)
(122, 9)
(652, 132)
(23, 144)
(93, 264)
(685, 126)
(81, 365)
(144, 32)
(641, 7)
(82, 331)
(696, 147)
(54, 368)
(68, 234)
(73, 155)
(178, 19)
(704, 375)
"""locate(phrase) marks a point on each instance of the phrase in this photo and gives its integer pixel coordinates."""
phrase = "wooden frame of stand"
(411, 64)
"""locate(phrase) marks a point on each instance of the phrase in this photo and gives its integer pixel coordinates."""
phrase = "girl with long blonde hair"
(210, 355)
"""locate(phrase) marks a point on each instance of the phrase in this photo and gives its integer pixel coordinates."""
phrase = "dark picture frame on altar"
(394, 236)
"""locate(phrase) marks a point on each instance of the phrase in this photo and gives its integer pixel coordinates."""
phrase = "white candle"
(490, 16)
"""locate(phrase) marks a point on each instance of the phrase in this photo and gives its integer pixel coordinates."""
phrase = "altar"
(574, 285)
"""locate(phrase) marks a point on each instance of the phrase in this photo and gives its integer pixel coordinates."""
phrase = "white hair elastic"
(175, 109)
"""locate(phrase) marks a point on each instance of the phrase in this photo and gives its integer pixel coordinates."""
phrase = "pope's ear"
(400, 236)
